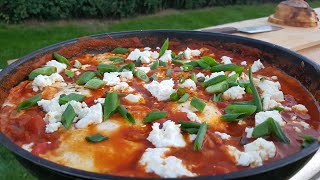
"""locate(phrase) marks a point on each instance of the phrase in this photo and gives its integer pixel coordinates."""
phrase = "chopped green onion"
(239, 70)
(254, 90)
(120, 50)
(177, 56)
(61, 59)
(161, 63)
(244, 102)
(307, 140)
(217, 97)
(203, 65)
(223, 67)
(129, 66)
(107, 68)
(189, 124)
(233, 117)
(155, 65)
(193, 77)
(63, 99)
(46, 70)
(190, 130)
(174, 96)
(68, 116)
(197, 146)
(95, 83)
(176, 61)
(218, 88)
(29, 102)
(262, 129)
(111, 104)
(85, 77)
(193, 63)
(201, 79)
(232, 79)
(248, 89)
(182, 79)
(154, 77)
(69, 73)
(77, 64)
(184, 98)
(138, 62)
(126, 114)
(116, 60)
(278, 108)
(236, 108)
(164, 47)
(209, 60)
(278, 131)
(96, 138)
(142, 75)
(168, 72)
(181, 91)
(187, 68)
(154, 116)
(198, 104)
(214, 80)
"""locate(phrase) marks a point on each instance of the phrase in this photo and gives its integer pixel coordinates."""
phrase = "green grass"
(19, 40)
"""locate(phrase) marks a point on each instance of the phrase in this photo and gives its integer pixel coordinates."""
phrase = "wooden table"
(305, 41)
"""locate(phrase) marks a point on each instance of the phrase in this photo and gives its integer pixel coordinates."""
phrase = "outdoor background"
(28, 25)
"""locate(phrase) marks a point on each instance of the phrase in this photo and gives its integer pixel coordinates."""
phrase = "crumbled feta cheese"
(52, 127)
(99, 100)
(50, 105)
(300, 108)
(108, 126)
(60, 66)
(189, 53)
(162, 90)
(260, 117)
(111, 78)
(193, 117)
(168, 136)
(135, 54)
(286, 108)
(85, 66)
(223, 136)
(93, 115)
(147, 48)
(144, 69)
(154, 55)
(188, 83)
(294, 117)
(187, 108)
(249, 132)
(274, 78)
(145, 60)
(42, 81)
(123, 86)
(133, 98)
(192, 137)
(199, 75)
(254, 153)
(213, 75)
(232, 73)
(125, 76)
(235, 92)
(243, 63)
(154, 161)
(226, 60)
(269, 103)
(27, 147)
(166, 57)
(52, 117)
(271, 89)
(257, 65)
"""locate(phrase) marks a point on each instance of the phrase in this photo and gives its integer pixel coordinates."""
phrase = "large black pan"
(306, 71)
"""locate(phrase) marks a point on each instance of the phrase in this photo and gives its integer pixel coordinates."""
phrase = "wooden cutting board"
(294, 38)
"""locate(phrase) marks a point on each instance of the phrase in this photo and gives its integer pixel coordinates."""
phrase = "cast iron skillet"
(306, 71)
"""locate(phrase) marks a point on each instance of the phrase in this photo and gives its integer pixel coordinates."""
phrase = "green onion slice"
(201, 79)
(254, 90)
(236, 108)
(217, 97)
(182, 79)
(190, 130)
(142, 75)
(174, 96)
(307, 140)
(198, 104)
(164, 47)
(96, 138)
(218, 88)
(69, 73)
(126, 114)
(107, 68)
(129, 66)
(214, 80)
(161, 63)
(120, 50)
(168, 72)
(203, 65)
(154, 116)
(63, 99)
(193, 77)
(138, 62)
(46, 70)
(155, 65)
(233, 117)
(68, 116)
(116, 60)
(95, 83)
(77, 64)
(154, 77)
(29, 102)
(197, 146)
(209, 60)
(189, 124)
(184, 98)
(111, 104)
(85, 77)
(61, 59)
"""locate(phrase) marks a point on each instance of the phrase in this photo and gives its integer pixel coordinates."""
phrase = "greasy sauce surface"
(119, 155)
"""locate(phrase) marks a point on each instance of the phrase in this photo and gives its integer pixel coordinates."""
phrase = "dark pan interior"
(304, 70)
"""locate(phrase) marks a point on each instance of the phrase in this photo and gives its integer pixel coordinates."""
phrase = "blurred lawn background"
(17, 40)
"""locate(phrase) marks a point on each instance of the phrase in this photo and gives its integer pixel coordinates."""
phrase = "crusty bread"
(294, 13)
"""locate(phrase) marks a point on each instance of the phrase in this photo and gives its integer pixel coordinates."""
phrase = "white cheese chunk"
(125, 76)
(188, 83)
(133, 98)
(166, 57)
(135, 54)
(108, 126)
(260, 117)
(243, 63)
(60, 66)
(154, 161)
(111, 78)
(300, 108)
(257, 65)
(271, 89)
(223, 136)
(235, 92)
(42, 81)
(190, 53)
(226, 60)
(213, 75)
(124, 87)
(168, 136)
(92, 115)
(199, 75)
(52, 127)
(144, 69)
(192, 137)
(187, 108)
(154, 55)
(27, 147)
(99, 100)
(162, 90)
(145, 60)
(249, 132)
(269, 103)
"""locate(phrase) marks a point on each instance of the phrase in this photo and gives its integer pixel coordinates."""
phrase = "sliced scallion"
(182, 79)
(111, 104)
(85, 77)
(176, 61)
(154, 77)
(126, 114)
(174, 96)
(193, 77)
(63, 99)
(69, 73)
(236, 108)
(186, 67)
(95, 83)
(223, 67)
(197, 146)
(155, 65)
(184, 98)
(138, 62)
(307, 140)
(217, 97)
(129, 66)
(203, 65)
(161, 63)
(214, 80)
(233, 117)
(189, 124)
(190, 130)
(164, 47)
(218, 88)
(142, 75)
(120, 50)
(209, 60)
(61, 59)
(201, 79)
(198, 104)
(106, 68)
(77, 64)
(154, 116)
(168, 72)
(96, 138)
(116, 60)
(29, 102)
(46, 70)
(255, 93)
(68, 116)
